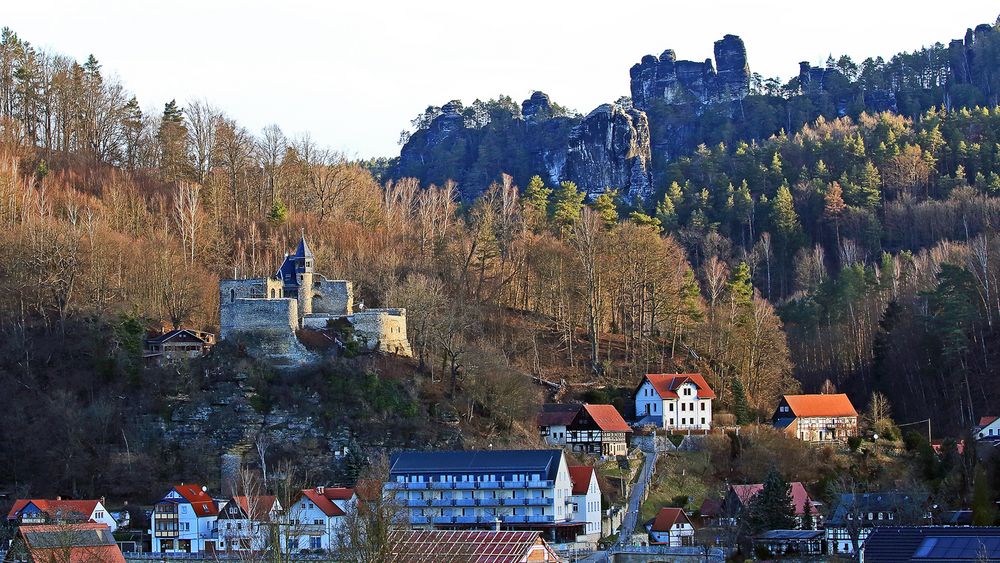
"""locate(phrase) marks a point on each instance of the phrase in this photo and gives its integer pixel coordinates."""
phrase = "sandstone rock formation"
(672, 82)
(609, 149)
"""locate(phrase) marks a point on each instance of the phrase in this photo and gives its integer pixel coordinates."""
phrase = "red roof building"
(326, 499)
(183, 520)
(817, 418)
(675, 401)
(425, 546)
(598, 430)
(59, 511)
(553, 420)
(988, 429)
(739, 496)
(65, 543)
(672, 527)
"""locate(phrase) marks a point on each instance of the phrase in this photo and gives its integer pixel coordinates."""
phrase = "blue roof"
(543, 462)
(303, 249)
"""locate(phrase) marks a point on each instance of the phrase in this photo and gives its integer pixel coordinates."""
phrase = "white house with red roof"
(681, 401)
(988, 428)
(245, 522)
(184, 521)
(316, 516)
(598, 430)
(586, 500)
(59, 511)
(672, 527)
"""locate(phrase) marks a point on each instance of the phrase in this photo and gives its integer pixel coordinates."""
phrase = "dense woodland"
(855, 250)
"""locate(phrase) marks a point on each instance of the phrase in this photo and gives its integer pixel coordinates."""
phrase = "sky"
(353, 74)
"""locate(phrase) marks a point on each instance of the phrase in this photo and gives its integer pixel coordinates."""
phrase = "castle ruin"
(267, 312)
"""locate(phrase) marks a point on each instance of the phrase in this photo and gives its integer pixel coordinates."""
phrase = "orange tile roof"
(666, 384)
(201, 502)
(820, 405)
(580, 475)
(667, 517)
(53, 507)
(70, 543)
(607, 418)
(324, 500)
(262, 506)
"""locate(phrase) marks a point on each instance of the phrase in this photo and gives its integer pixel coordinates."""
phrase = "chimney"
(59, 497)
(320, 489)
(102, 499)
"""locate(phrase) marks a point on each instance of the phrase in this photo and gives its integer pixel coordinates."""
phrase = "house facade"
(553, 420)
(988, 428)
(316, 516)
(857, 514)
(598, 430)
(184, 521)
(59, 511)
(586, 499)
(675, 401)
(672, 527)
(738, 497)
(248, 523)
(58, 543)
(484, 489)
(817, 418)
(177, 346)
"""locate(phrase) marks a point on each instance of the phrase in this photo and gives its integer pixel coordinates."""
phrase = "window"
(703, 405)
(703, 420)
(671, 407)
(315, 542)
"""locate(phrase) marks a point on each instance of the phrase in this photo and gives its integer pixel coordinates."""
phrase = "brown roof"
(201, 502)
(323, 498)
(424, 546)
(820, 405)
(69, 543)
(53, 508)
(799, 495)
(261, 508)
(557, 414)
(987, 420)
(667, 517)
(710, 508)
(580, 475)
(666, 384)
(607, 418)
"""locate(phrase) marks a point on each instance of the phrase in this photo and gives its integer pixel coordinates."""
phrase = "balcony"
(540, 484)
(442, 485)
(444, 520)
(538, 501)
(392, 485)
(442, 502)
(514, 501)
(419, 520)
(489, 502)
(415, 486)
(417, 502)
(488, 485)
(539, 519)
(467, 519)
(465, 502)
(514, 484)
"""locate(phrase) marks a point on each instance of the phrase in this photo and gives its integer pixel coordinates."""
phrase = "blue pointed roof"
(303, 249)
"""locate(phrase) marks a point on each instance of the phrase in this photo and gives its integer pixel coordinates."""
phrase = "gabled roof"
(54, 508)
(543, 462)
(581, 475)
(201, 502)
(303, 251)
(606, 417)
(799, 495)
(932, 543)
(667, 517)
(323, 498)
(820, 405)
(858, 503)
(423, 546)
(260, 506)
(987, 420)
(70, 543)
(557, 414)
(710, 508)
(166, 336)
(666, 384)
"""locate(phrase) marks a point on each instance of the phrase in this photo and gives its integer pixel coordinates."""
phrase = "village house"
(988, 428)
(184, 520)
(672, 527)
(598, 430)
(177, 346)
(674, 401)
(553, 420)
(59, 543)
(426, 546)
(59, 511)
(316, 516)
(857, 514)
(817, 418)
(248, 523)
(586, 500)
(738, 498)
(485, 489)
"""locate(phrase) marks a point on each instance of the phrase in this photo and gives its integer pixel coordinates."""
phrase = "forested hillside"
(857, 249)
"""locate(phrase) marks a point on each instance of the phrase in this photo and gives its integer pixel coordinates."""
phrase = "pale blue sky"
(354, 73)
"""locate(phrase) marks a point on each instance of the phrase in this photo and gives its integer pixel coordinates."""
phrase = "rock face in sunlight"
(609, 149)
(671, 81)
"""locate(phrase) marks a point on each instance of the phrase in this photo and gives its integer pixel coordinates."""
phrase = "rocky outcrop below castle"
(677, 105)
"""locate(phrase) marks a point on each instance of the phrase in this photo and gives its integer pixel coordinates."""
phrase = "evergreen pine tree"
(741, 407)
(566, 205)
(666, 213)
(771, 508)
(536, 200)
(606, 208)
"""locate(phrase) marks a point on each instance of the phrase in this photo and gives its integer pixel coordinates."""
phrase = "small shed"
(790, 542)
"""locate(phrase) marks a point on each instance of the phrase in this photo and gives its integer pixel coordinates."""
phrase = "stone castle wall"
(256, 288)
(383, 330)
(332, 297)
(280, 316)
